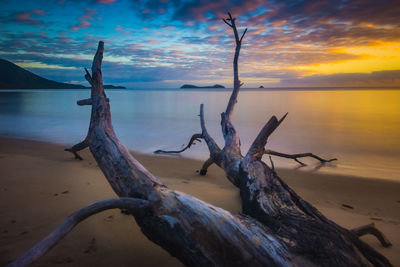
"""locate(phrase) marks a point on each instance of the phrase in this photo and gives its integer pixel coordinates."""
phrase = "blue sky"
(161, 43)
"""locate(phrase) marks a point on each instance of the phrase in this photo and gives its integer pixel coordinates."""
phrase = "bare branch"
(205, 166)
(283, 118)
(192, 141)
(84, 102)
(88, 77)
(256, 150)
(88, 102)
(296, 156)
(234, 28)
(132, 204)
(97, 79)
(241, 38)
(78, 147)
(371, 229)
(272, 164)
(236, 82)
(212, 145)
(230, 25)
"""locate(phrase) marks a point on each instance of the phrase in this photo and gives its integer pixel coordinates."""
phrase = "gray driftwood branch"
(195, 232)
(306, 232)
(131, 204)
(277, 227)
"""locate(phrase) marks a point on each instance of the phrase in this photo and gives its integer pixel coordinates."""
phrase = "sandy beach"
(40, 185)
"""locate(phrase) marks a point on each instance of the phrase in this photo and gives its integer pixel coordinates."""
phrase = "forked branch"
(212, 145)
(256, 150)
(132, 204)
(236, 81)
(96, 81)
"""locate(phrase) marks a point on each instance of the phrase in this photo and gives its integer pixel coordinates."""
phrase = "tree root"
(372, 230)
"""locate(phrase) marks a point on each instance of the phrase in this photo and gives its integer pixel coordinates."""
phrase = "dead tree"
(195, 232)
(285, 231)
(297, 224)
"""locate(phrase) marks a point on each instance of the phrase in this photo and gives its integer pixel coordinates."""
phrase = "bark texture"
(195, 232)
(277, 228)
(299, 226)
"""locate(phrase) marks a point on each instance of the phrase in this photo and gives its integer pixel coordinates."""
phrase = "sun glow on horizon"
(381, 56)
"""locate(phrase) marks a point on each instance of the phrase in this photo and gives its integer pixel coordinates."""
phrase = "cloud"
(81, 25)
(84, 19)
(26, 17)
(315, 19)
(373, 79)
(158, 40)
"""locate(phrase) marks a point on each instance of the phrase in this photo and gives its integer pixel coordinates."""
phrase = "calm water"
(360, 127)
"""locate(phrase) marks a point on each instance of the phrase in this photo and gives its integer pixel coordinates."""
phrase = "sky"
(167, 43)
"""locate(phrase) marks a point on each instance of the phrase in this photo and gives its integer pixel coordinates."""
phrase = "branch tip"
(243, 35)
(284, 117)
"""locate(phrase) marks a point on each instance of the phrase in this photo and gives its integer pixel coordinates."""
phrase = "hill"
(15, 77)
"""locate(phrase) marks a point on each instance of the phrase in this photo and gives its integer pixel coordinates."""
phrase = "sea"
(359, 127)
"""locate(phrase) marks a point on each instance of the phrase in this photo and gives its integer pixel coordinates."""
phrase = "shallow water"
(359, 127)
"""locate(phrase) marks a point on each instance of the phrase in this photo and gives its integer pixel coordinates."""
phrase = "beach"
(41, 185)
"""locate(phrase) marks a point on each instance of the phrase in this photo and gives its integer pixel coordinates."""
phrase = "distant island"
(15, 77)
(261, 86)
(194, 86)
(110, 86)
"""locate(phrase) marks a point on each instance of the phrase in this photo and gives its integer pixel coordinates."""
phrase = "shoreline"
(308, 169)
(41, 185)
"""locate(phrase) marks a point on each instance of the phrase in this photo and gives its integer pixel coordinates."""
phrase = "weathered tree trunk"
(299, 226)
(197, 233)
(280, 229)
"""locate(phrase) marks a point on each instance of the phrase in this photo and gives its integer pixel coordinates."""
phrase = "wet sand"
(40, 185)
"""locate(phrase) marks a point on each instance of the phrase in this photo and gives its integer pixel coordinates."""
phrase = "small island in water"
(194, 86)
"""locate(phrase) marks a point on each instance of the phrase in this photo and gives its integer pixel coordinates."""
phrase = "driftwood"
(277, 229)
(195, 232)
(297, 225)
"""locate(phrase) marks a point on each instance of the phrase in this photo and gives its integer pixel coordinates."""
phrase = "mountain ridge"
(13, 76)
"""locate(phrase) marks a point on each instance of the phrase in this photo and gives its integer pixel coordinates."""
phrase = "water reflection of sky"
(361, 128)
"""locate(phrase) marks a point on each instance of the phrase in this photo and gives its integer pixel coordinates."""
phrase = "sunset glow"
(382, 56)
(166, 43)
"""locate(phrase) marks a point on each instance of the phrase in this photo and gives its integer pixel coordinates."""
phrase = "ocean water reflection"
(360, 127)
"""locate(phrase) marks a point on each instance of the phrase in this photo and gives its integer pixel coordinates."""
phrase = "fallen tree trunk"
(195, 232)
(266, 197)
(282, 229)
